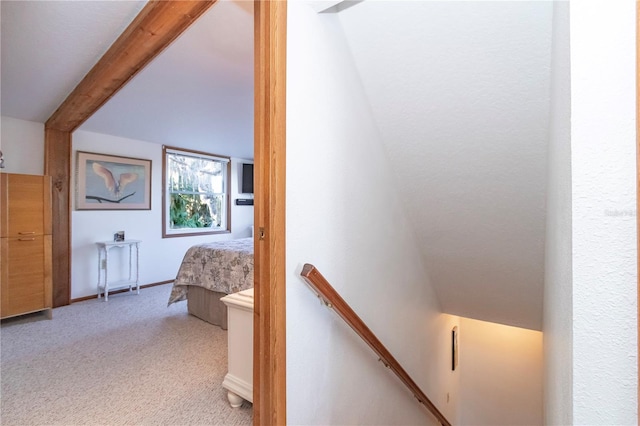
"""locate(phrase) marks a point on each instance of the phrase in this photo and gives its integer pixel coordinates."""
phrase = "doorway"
(131, 53)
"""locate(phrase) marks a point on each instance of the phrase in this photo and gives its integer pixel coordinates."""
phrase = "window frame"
(190, 232)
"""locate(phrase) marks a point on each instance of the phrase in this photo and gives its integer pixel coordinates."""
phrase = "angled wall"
(344, 215)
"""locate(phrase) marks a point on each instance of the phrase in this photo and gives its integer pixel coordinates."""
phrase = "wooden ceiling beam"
(156, 26)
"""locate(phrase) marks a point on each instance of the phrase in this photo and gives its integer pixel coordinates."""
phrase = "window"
(196, 193)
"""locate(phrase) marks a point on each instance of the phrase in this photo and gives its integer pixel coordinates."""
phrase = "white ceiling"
(197, 94)
(459, 90)
(49, 46)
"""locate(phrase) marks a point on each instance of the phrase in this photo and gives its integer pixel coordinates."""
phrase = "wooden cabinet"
(25, 244)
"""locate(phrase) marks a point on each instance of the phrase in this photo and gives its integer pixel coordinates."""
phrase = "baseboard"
(95, 296)
(238, 386)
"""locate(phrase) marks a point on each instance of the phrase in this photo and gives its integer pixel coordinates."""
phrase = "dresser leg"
(234, 400)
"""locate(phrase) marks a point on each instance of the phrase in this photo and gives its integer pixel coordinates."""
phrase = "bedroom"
(129, 128)
(232, 121)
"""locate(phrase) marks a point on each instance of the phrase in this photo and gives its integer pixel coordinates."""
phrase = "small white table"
(103, 279)
(239, 380)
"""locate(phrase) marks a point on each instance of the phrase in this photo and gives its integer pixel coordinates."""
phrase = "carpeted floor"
(130, 361)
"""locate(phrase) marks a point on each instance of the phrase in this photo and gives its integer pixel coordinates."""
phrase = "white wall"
(159, 257)
(500, 374)
(603, 145)
(558, 303)
(345, 217)
(22, 144)
(445, 383)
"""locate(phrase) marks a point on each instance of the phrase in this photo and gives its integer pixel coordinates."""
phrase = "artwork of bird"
(116, 188)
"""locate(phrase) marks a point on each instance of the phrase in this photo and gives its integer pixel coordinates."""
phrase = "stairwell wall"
(604, 252)
(590, 321)
(558, 301)
(499, 363)
(345, 216)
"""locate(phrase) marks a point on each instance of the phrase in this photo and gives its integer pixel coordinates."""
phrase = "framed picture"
(109, 182)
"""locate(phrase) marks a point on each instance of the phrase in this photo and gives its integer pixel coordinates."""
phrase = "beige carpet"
(130, 361)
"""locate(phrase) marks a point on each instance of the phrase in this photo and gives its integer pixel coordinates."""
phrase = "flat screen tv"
(247, 178)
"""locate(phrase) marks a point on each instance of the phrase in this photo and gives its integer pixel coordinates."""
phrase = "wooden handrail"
(332, 299)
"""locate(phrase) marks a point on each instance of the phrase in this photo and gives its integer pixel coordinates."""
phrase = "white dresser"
(239, 379)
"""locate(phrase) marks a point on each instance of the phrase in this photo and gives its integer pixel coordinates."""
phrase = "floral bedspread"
(224, 266)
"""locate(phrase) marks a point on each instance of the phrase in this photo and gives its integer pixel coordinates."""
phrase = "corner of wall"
(22, 144)
(558, 300)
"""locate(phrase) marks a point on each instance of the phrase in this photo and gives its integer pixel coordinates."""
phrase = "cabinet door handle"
(26, 233)
(26, 239)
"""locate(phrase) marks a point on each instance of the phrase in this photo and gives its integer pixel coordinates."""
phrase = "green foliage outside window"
(188, 211)
(196, 189)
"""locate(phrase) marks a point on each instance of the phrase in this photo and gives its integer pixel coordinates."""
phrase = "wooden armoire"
(25, 236)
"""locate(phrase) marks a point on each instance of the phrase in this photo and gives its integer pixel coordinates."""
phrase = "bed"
(209, 272)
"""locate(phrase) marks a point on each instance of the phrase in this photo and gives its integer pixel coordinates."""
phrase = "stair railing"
(330, 297)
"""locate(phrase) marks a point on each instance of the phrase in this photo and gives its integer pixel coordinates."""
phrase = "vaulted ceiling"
(47, 47)
(459, 91)
(197, 94)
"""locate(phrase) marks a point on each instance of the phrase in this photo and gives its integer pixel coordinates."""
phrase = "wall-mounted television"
(247, 178)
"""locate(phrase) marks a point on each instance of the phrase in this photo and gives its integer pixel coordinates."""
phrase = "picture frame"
(111, 182)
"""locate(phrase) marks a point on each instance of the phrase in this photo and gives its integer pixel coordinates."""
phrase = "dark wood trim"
(57, 164)
(156, 26)
(123, 290)
(269, 374)
(333, 300)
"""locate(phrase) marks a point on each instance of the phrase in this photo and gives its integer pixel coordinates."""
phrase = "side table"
(103, 279)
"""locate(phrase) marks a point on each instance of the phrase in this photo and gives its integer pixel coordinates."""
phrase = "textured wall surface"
(558, 302)
(499, 363)
(603, 144)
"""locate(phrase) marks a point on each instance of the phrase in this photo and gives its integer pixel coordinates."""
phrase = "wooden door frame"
(269, 366)
(156, 26)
